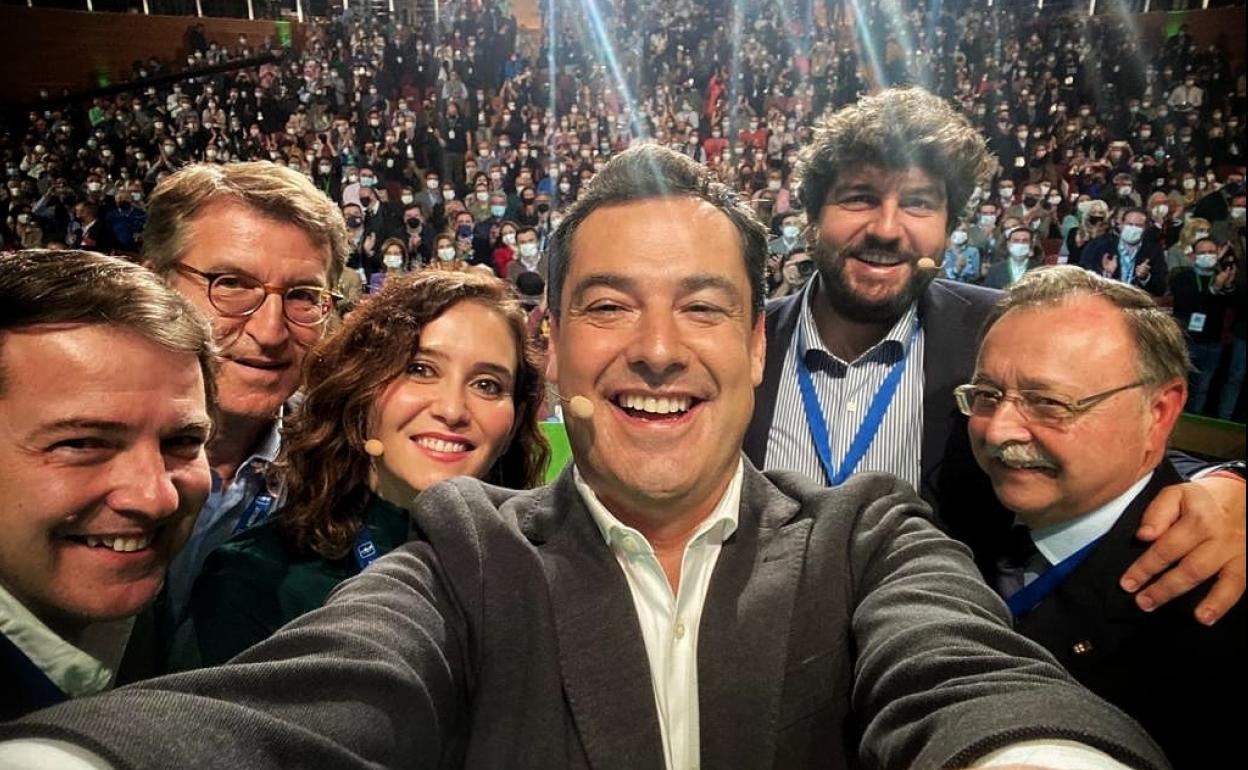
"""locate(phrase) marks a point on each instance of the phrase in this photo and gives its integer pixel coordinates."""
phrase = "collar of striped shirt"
(893, 347)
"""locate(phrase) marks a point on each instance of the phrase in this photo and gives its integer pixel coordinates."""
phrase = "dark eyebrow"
(709, 281)
(608, 280)
(488, 366)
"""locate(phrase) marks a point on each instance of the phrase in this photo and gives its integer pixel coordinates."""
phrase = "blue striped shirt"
(845, 390)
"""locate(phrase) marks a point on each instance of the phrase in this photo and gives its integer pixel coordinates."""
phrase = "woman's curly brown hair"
(323, 465)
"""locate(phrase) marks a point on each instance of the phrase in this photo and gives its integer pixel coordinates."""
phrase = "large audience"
(466, 139)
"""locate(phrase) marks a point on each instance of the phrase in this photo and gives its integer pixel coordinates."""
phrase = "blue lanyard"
(870, 422)
(365, 550)
(1029, 596)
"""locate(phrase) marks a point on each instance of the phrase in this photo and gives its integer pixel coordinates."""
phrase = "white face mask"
(446, 253)
(790, 231)
(1020, 251)
(1237, 212)
(528, 250)
(1131, 234)
(509, 239)
(958, 237)
(393, 261)
(407, 199)
(1206, 261)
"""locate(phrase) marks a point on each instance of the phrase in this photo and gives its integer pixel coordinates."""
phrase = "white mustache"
(1023, 456)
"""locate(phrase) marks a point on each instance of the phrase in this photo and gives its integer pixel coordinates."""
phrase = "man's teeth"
(120, 544)
(880, 259)
(659, 405)
(438, 445)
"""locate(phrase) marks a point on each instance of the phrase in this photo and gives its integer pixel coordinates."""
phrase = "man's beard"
(853, 307)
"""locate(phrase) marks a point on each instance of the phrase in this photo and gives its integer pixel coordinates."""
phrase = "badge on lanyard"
(1196, 323)
(256, 513)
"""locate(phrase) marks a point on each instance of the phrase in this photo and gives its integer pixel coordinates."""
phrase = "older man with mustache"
(1079, 382)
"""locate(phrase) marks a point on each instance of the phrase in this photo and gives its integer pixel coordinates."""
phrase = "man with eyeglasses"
(256, 247)
(1079, 382)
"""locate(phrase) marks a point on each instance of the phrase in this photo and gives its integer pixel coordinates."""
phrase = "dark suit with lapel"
(1179, 679)
(952, 315)
(1149, 251)
(840, 629)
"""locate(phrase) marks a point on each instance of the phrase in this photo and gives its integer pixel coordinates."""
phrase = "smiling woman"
(429, 379)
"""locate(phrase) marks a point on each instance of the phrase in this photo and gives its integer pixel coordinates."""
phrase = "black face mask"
(413, 223)
(1030, 201)
(354, 222)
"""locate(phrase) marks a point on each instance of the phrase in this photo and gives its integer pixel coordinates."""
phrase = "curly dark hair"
(323, 464)
(897, 129)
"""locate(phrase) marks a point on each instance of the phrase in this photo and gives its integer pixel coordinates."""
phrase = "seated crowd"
(461, 239)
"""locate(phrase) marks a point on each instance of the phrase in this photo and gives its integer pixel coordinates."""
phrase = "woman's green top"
(256, 582)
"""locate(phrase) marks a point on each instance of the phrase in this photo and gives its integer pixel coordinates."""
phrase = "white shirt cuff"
(1054, 754)
(42, 753)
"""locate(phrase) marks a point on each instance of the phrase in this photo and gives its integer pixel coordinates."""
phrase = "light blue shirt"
(219, 518)
(1060, 541)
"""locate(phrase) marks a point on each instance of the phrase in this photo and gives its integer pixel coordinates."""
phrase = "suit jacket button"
(1082, 647)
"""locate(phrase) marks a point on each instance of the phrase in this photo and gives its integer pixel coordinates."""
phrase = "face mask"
(1124, 191)
(446, 253)
(958, 237)
(448, 194)
(392, 261)
(464, 231)
(497, 211)
(353, 178)
(565, 187)
(483, 195)
(1020, 251)
(509, 239)
(1206, 261)
(407, 199)
(1055, 200)
(1237, 212)
(1199, 235)
(368, 181)
(528, 250)
(354, 222)
(1189, 184)
(137, 197)
(93, 186)
(1131, 234)
(1030, 201)
(1007, 193)
(987, 220)
(790, 231)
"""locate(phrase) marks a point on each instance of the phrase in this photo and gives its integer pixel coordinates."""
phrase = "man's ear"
(758, 349)
(1164, 409)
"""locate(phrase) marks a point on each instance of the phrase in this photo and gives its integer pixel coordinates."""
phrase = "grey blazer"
(841, 629)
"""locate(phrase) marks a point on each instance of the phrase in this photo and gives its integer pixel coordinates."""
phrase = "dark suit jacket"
(1178, 678)
(952, 315)
(1150, 251)
(998, 276)
(839, 628)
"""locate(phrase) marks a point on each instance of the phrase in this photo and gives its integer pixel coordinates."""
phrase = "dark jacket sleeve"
(373, 679)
